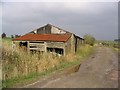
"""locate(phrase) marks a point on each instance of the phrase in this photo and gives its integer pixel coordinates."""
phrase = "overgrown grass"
(85, 51)
(7, 41)
(22, 67)
(35, 76)
(117, 50)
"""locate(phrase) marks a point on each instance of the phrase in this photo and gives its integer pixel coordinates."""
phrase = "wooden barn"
(49, 38)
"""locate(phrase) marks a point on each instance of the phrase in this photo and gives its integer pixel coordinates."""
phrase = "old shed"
(49, 38)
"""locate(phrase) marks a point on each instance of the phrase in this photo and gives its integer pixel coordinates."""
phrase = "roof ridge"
(48, 34)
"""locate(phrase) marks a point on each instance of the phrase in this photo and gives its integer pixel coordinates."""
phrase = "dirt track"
(99, 71)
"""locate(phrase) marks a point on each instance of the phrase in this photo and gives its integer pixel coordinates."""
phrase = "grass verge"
(35, 76)
(116, 50)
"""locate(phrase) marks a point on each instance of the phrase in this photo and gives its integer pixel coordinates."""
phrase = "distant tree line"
(117, 40)
(12, 36)
(15, 36)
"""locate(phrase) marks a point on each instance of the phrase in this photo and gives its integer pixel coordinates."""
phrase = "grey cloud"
(0, 18)
(98, 19)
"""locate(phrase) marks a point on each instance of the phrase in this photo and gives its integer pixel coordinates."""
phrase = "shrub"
(3, 35)
(89, 39)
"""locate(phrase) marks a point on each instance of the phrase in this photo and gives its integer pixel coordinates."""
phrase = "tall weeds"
(85, 51)
(17, 62)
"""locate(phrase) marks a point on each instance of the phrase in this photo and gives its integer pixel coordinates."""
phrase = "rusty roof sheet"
(44, 37)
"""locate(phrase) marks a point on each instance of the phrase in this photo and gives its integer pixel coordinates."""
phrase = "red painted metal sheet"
(44, 37)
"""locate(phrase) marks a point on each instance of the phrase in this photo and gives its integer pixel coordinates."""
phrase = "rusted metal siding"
(44, 37)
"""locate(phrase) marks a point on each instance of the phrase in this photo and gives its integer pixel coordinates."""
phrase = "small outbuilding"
(49, 38)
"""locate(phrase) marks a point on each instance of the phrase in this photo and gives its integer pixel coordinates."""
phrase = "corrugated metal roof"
(44, 37)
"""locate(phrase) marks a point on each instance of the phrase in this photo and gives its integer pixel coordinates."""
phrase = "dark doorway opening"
(23, 45)
(56, 50)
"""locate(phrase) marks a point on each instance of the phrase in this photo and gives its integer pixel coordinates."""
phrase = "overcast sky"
(99, 19)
